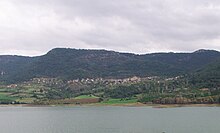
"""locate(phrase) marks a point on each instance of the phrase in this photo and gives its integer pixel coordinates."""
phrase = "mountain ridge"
(67, 63)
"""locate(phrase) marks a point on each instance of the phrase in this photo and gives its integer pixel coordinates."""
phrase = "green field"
(26, 100)
(120, 101)
(85, 96)
(4, 98)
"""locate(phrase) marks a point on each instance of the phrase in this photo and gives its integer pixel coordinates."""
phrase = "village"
(154, 90)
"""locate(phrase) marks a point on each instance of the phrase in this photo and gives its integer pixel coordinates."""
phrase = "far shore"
(117, 105)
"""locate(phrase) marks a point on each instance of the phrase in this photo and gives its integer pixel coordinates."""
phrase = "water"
(109, 120)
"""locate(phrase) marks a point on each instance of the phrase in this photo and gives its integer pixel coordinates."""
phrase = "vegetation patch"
(6, 99)
(85, 97)
(120, 101)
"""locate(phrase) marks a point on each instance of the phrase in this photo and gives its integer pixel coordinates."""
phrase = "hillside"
(71, 76)
(208, 76)
(73, 64)
(14, 68)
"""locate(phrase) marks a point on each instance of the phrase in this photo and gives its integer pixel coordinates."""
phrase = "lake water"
(109, 120)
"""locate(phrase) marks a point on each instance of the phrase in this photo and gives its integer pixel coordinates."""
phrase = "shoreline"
(114, 105)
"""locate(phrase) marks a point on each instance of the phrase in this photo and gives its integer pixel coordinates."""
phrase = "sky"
(33, 27)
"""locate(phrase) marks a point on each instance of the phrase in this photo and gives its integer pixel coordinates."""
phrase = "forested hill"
(209, 76)
(73, 63)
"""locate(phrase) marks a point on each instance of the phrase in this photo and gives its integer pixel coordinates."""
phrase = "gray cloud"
(30, 27)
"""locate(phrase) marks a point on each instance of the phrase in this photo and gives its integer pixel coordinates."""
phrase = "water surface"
(109, 120)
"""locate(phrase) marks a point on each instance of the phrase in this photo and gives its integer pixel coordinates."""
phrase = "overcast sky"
(33, 27)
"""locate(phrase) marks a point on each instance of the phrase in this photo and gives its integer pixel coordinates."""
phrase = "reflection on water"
(109, 120)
